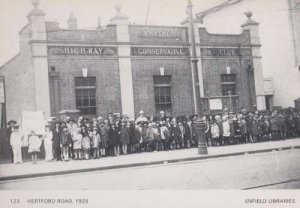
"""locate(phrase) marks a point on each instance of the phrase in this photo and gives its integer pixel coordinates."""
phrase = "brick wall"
(212, 70)
(19, 84)
(223, 39)
(238, 59)
(143, 88)
(106, 71)
(96, 36)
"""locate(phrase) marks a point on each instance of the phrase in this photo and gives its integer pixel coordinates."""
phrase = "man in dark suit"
(56, 141)
(9, 131)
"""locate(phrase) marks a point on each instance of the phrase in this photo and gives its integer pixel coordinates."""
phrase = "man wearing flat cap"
(9, 131)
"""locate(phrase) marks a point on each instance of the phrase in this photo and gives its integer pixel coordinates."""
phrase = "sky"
(161, 12)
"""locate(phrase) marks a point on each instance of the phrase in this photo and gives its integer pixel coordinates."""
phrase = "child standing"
(95, 142)
(16, 143)
(226, 130)
(34, 146)
(86, 144)
(48, 136)
(77, 140)
(215, 134)
(124, 137)
(65, 143)
(103, 137)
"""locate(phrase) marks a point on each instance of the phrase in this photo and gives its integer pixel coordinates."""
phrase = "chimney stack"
(72, 22)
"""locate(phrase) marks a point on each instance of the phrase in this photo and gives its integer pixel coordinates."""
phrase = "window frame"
(163, 92)
(228, 82)
(85, 93)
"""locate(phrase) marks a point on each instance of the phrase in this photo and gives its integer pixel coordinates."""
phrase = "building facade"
(279, 32)
(125, 68)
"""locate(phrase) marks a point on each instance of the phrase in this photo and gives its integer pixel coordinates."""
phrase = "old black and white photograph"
(150, 95)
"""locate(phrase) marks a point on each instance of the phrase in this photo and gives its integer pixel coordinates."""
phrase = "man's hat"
(71, 120)
(86, 120)
(11, 122)
(56, 122)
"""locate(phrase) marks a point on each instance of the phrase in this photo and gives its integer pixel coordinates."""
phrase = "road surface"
(272, 170)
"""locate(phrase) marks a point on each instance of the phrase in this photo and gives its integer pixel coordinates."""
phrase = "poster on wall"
(215, 104)
(33, 121)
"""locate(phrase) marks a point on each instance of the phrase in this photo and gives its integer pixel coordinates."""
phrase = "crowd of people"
(112, 136)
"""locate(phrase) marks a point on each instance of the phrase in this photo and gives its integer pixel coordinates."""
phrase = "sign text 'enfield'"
(80, 50)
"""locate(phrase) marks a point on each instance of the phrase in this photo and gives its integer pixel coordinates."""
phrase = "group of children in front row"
(100, 137)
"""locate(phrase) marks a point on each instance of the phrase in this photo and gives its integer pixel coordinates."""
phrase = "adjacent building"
(279, 32)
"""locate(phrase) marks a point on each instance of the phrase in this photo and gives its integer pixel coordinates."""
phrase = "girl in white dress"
(48, 136)
(34, 146)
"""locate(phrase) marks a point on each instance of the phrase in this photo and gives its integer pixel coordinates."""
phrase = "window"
(228, 82)
(162, 93)
(85, 92)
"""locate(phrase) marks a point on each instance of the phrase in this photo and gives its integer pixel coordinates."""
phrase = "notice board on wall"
(215, 104)
(33, 121)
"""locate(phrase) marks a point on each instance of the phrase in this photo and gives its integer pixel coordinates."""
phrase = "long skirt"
(48, 152)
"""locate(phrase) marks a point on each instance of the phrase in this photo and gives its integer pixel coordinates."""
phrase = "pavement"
(268, 170)
(43, 168)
